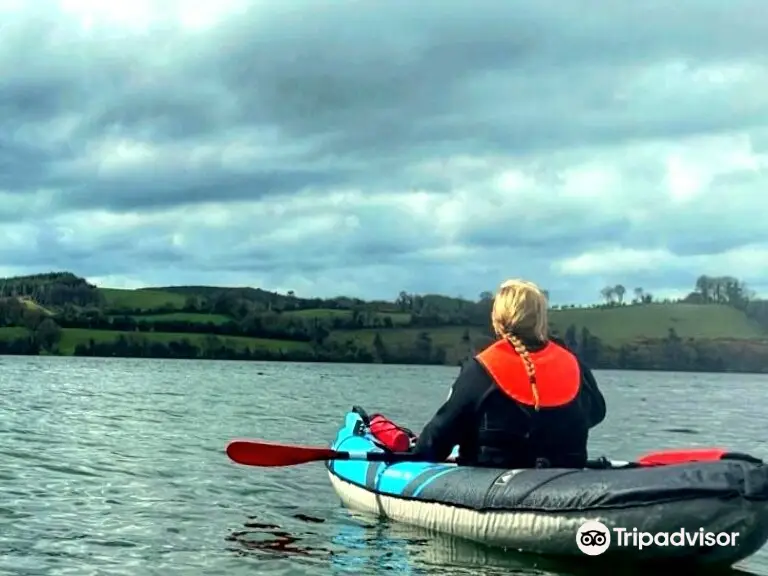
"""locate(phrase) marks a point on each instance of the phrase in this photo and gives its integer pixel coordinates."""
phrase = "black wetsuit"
(492, 429)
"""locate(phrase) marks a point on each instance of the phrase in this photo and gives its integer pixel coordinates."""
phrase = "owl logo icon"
(593, 538)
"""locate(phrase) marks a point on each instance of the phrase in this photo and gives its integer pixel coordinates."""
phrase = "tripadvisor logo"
(593, 538)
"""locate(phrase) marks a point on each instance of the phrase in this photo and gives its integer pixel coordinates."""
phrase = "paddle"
(271, 454)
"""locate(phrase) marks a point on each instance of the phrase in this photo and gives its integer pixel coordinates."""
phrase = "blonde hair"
(520, 309)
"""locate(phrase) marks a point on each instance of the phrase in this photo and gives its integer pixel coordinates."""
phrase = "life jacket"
(540, 438)
(557, 373)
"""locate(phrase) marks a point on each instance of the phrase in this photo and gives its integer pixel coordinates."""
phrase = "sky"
(364, 147)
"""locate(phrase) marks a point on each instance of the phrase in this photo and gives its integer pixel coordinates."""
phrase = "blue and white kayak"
(697, 505)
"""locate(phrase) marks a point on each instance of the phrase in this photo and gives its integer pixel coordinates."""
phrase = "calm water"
(113, 466)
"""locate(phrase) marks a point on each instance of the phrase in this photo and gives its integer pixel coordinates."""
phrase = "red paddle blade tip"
(680, 456)
(270, 454)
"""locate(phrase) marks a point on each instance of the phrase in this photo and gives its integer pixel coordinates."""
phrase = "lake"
(117, 466)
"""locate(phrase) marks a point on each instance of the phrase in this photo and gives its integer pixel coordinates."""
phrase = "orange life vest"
(558, 377)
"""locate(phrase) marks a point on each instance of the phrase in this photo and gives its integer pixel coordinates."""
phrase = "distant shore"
(61, 314)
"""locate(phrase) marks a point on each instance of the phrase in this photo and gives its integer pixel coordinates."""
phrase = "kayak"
(713, 512)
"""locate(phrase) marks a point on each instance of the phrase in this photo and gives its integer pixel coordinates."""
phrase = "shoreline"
(341, 361)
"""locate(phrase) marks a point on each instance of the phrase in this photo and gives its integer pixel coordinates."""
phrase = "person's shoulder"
(471, 367)
(473, 373)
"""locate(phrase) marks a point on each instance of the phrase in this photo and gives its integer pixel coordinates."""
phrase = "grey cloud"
(373, 76)
(153, 191)
(49, 248)
(357, 95)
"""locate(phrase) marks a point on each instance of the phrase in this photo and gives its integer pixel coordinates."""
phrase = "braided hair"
(520, 307)
(520, 348)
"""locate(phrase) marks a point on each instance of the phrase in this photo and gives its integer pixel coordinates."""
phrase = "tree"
(319, 334)
(423, 346)
(607, 294)
(619, 290)
(638, 294)
(590, 346)
(647, 298)
(571, 339)
(723, 290)
(48, 334)
(212, 346)
(704, 287)
(379, 348)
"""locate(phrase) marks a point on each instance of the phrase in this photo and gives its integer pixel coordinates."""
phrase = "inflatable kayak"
(712, 512)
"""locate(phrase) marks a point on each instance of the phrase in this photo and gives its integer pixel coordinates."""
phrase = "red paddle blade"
(681, 456)
(269, 454)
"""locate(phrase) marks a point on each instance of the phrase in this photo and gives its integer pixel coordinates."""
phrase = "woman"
(525, 401)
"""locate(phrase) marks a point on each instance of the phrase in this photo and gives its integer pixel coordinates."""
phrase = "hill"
(623, 324)
(619, 323)
(60, 313)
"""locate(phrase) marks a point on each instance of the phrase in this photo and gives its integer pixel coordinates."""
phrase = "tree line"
(75, 300)
(257, 313)
(615, 295)
(671, 353)
(707, 290)
(423, 351)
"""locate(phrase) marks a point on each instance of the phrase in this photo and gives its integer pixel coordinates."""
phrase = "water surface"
(116, 466)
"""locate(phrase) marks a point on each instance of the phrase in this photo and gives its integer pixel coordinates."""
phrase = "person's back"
(525, 401)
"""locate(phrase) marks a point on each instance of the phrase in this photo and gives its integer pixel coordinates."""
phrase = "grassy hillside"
(612, 324)
(60, 312)
(627, 323)
(451, 338)
(617, 324)
(141, 299)
(201, 318)
(32, 305)
(398, 318)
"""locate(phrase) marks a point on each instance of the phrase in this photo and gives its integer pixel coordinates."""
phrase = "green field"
(612, 325)
(442, 336)
(141, 299)
(398, 318)
(13, 333)
(71, 337)
(448, 337)
(191, 317)
(627, 323)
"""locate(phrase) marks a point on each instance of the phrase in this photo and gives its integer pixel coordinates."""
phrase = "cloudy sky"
(363, 147)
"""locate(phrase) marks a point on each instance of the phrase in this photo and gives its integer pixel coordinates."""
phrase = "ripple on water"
(113, 466)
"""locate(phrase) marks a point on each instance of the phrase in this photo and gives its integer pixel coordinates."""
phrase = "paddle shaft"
(270, 454)
(393, 457)
(377, 456)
